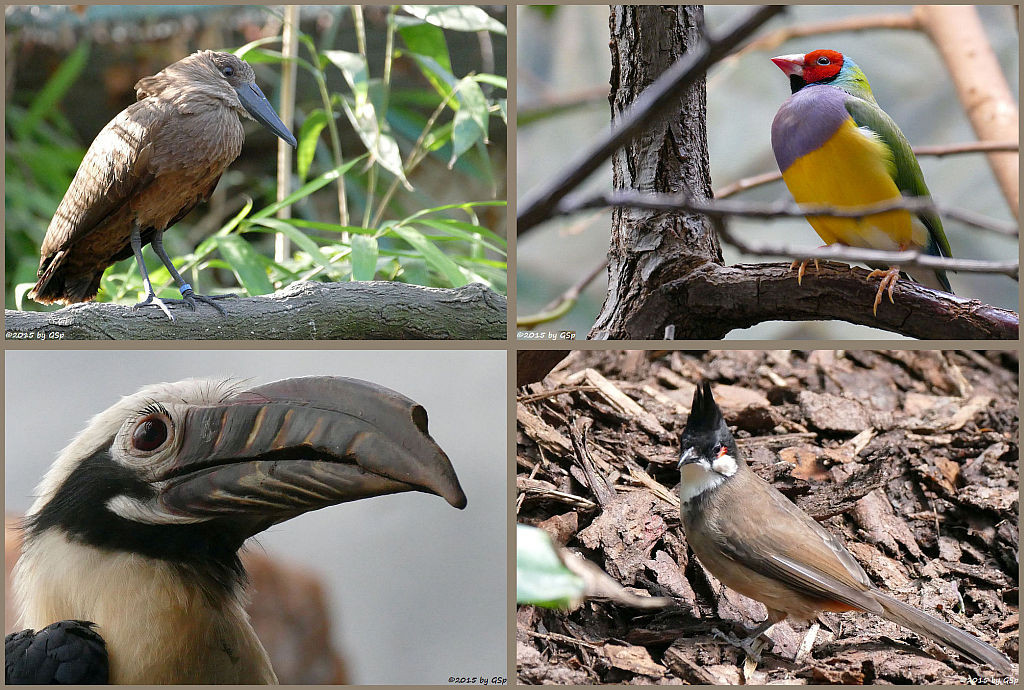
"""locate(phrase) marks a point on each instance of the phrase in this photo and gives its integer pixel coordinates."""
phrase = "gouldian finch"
(835, 146)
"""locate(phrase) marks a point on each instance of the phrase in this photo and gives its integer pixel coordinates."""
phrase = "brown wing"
(115, 167)
(757, 526)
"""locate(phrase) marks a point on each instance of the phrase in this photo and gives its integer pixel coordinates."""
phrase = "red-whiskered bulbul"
(758, 543)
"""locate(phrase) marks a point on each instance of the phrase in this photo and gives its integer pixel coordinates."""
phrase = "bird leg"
(151, 298)
(750, 644)
(188, 296)
(889, 279)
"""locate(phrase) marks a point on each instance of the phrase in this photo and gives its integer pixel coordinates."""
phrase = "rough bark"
(649, 249)
(910, 458)
(717, 299)
(302, 311)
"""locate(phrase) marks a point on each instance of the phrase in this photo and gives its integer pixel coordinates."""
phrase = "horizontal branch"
(718, 211)
(713, 300)
(376, 310)
(781, 209)
(907, 259)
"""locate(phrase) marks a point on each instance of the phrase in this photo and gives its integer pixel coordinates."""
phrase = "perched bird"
(135, 534)
(836, 147)
(757, 542)
(146, 170)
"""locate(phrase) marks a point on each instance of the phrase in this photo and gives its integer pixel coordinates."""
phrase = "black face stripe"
(79, 509)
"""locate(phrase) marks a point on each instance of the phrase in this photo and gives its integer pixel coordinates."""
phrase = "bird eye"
(823, 60)
(228, 71)
(150, 433)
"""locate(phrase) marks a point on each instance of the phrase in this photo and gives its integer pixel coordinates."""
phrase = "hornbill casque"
(146, 170)
(130, 568)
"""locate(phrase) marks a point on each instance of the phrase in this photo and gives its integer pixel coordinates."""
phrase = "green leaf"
(414, 271)
(424, 39)
(301, 239)
(245, 264)
(468, 232)
(493, 80)
(309, 134)
(456, 17)
(433, 256)
(308, 188)
(364, 257)
(470, 120)
(363, 115)
(442, 79)
(541, 577)
(54, 89)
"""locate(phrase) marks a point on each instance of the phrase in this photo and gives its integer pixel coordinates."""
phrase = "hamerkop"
(146, 170)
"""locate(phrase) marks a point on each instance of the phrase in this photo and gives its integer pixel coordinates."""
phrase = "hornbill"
(132, 544)
(146, 170)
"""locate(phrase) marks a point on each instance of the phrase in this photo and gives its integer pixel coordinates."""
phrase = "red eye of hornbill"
(150, 433)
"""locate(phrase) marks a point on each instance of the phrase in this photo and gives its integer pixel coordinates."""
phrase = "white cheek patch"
(146, 512)
(695, 479)
(725, 465)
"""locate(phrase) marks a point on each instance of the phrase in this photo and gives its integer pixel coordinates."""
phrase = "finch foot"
(888, 281)
(803, 269)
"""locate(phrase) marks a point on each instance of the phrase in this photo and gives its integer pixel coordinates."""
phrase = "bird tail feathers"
(940, 631)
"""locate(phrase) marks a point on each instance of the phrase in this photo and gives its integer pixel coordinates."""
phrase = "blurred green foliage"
(382, 229)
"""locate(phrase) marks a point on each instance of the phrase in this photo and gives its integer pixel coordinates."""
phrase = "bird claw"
(190, 298)
(887, 284)
(803, 269)
(752, 646)
(153, 301)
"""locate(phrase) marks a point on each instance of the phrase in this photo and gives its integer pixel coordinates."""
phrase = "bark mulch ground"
(910, 457)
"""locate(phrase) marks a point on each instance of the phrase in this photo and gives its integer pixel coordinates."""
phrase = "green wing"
(905, 171)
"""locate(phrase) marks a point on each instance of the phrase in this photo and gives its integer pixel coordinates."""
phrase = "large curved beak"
(257, 105)
(282, 449)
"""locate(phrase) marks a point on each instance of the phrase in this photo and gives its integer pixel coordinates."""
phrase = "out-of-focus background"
(563, 69)
(416, 588)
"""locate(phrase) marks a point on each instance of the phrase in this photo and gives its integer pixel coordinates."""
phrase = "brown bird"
(146, 170)
(758, 543)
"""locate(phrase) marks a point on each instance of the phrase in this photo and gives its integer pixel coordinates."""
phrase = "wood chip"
(633, 659)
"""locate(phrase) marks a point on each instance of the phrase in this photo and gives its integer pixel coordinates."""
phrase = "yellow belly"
(850, 170)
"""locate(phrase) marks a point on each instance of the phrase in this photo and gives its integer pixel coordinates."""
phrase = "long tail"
(940, 631)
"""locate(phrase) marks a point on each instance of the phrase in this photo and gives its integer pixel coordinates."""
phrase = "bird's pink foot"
(803, 269)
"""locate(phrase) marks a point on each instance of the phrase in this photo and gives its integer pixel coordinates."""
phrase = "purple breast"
(806, 121)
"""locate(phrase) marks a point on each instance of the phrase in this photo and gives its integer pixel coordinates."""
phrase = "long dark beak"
(257, 105)
(283, 449)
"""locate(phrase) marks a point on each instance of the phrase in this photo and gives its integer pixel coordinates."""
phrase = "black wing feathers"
(64, 653)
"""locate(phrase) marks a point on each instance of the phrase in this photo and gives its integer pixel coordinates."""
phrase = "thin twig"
(717, 211)
(837, 252)
(782, 209)
(863, 23)
(562, 304)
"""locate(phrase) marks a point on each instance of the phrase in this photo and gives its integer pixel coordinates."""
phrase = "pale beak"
(790, 64)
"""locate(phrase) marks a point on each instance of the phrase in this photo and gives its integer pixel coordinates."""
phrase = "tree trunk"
(650, 249)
